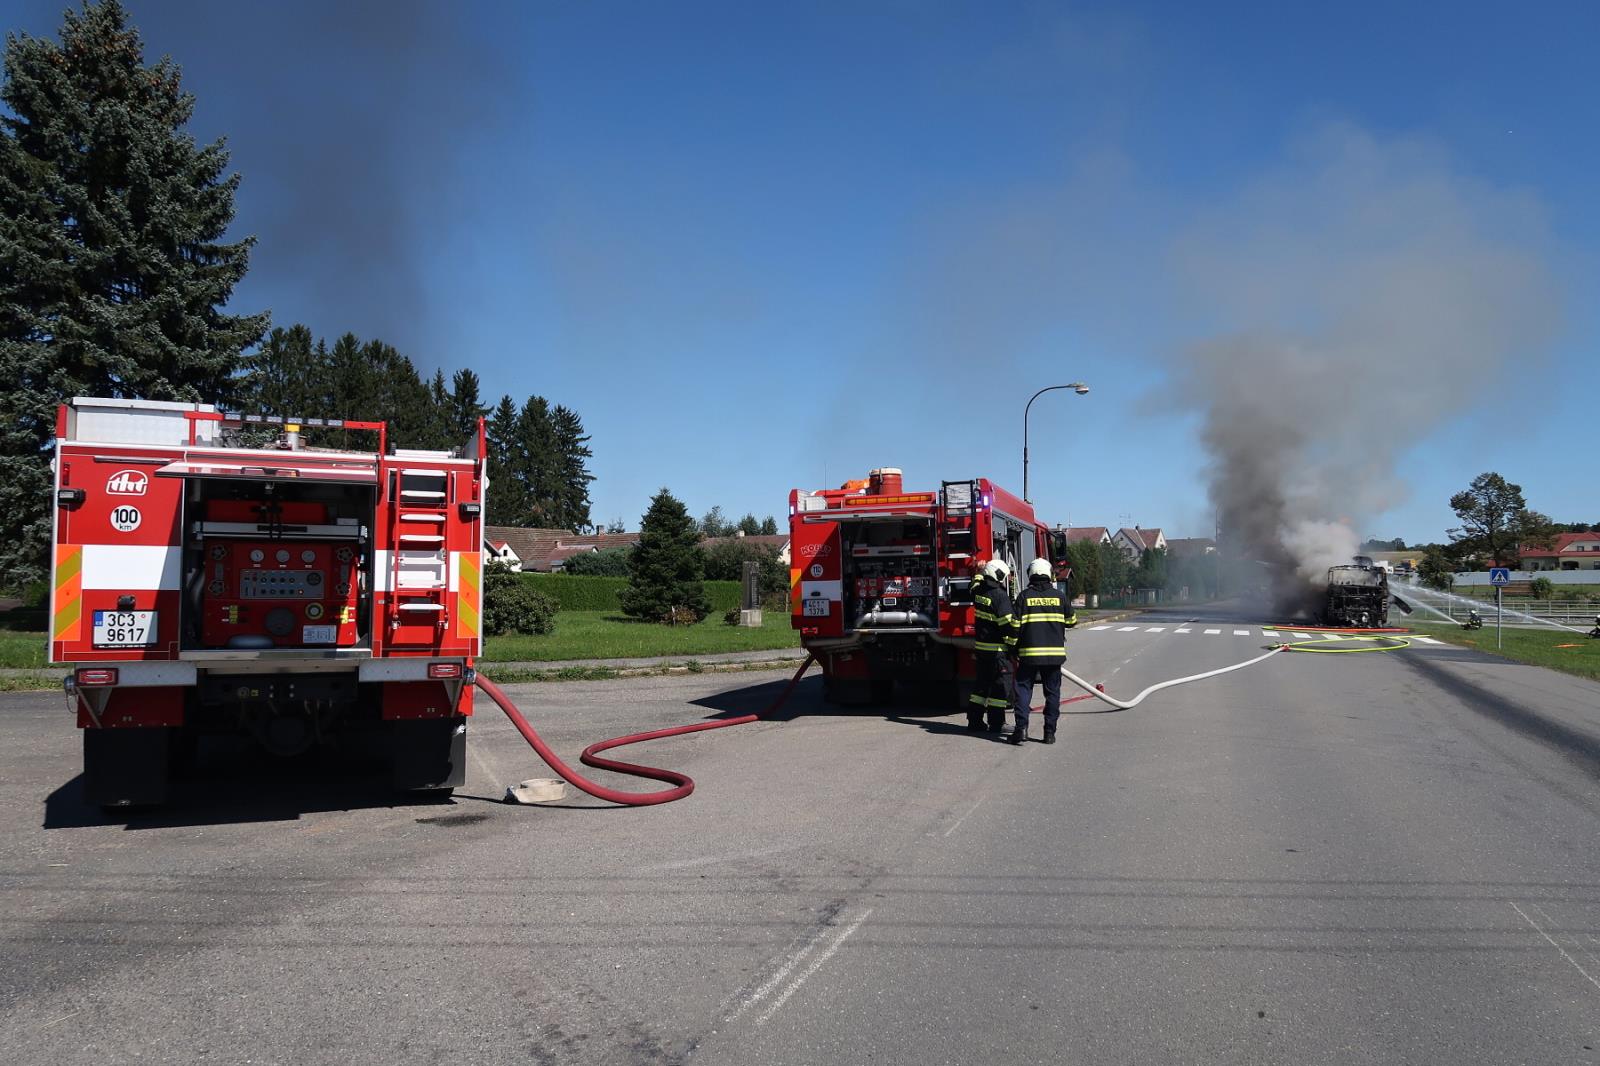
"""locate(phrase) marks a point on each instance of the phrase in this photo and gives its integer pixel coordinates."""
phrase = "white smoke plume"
(1357, 298)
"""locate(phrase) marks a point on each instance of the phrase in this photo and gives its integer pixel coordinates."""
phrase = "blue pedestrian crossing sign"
(1499, 576)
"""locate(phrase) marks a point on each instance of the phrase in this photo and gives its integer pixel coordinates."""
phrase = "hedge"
(574, 592)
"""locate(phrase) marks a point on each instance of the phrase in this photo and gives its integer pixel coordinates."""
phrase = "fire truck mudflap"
(881, 578)
(290, 595)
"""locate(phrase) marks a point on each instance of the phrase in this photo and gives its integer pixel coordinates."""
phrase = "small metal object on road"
(537, 790)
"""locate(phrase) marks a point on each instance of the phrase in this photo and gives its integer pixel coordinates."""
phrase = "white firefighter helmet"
(996, 570)
(1040, 568)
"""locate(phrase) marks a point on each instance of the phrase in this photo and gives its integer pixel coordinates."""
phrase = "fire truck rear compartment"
(890, 578)
(277, 565)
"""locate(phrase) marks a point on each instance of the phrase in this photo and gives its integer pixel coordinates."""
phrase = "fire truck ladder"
(958, 544)
(420, 568)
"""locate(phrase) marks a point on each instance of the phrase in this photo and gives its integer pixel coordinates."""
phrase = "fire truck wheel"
(430, 755)
(125, 768)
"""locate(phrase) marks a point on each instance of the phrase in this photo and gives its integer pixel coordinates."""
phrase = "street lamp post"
(1077, 386)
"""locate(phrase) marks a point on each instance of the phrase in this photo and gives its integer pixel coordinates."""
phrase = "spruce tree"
(537, 462)
(507, 500)
(666, 569)
(572, 457)
(113, 273)
(465, 406)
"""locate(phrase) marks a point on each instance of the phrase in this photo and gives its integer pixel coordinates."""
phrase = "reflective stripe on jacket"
(1042, 622)
(996, 629)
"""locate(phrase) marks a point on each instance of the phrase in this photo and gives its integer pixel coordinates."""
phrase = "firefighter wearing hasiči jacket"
(995, 643)
(1041, 649)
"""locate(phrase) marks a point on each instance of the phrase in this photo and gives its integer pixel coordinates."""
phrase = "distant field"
(1484, 592)
(1571, 653)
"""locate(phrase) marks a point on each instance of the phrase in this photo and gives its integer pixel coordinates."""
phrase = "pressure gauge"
(256, 555)
(283, 555)
(308, 556)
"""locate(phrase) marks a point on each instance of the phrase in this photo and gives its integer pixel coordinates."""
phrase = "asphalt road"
(1384, 857)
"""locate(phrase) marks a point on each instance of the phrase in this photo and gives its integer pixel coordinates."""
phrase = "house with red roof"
(1568, 551)
(1133, 542)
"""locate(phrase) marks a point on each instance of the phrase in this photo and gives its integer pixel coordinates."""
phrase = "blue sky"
(759, 247)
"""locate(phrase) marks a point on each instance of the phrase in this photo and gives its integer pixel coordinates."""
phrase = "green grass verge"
(21, 651)
(578, 635)
(1571, 653)
(606, 635)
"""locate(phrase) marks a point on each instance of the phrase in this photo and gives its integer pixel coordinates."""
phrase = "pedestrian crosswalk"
(1257, 632)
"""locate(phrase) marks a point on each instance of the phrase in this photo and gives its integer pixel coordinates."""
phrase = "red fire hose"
(683, 783)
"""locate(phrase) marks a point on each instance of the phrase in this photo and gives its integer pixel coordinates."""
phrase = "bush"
(575, 592)
(1542, 588)
(611, 562)
(514, 606)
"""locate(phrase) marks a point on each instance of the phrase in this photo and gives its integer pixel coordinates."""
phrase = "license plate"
(124, 629)
(817, 608)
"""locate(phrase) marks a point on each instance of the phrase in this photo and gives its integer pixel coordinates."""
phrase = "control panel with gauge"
(280, 594)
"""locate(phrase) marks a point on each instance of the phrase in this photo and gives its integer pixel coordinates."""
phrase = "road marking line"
(1096, 629)
(1126, 629)
(1241, 632)
(1541, 912)
(1332, 636)
(1185, 629)
(1301, 636)
(1428, 640)
(783, 971)
(1587, 975)
(957, 823)
(816, 964)
(1156, 629)
(1213, 632)
(1270, 634)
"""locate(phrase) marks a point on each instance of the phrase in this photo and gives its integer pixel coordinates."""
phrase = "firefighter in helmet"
(1041, 648)
(995, 644)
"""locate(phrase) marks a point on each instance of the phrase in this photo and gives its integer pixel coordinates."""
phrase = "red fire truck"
(288, 593)
(880, 579)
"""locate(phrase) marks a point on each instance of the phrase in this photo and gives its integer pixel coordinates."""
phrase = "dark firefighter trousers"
(991, 696)
(1048, 672)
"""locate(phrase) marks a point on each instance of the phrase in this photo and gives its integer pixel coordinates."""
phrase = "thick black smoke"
(350, 122)
(1359, 297)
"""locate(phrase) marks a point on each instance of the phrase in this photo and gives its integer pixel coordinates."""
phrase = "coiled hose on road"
(682, 784)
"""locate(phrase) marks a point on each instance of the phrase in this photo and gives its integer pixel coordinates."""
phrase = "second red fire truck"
(881, 579)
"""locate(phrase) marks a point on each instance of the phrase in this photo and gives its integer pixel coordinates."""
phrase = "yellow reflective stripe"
(1043, 653)
(982, 646)
(1058, 617)
(983, 616)
(467, 595)
(999, 703)
(65, 625)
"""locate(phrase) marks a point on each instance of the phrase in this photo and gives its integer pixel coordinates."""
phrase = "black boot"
(997, 722)
(1049, 736)
(975, 723)
(1018, 736)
